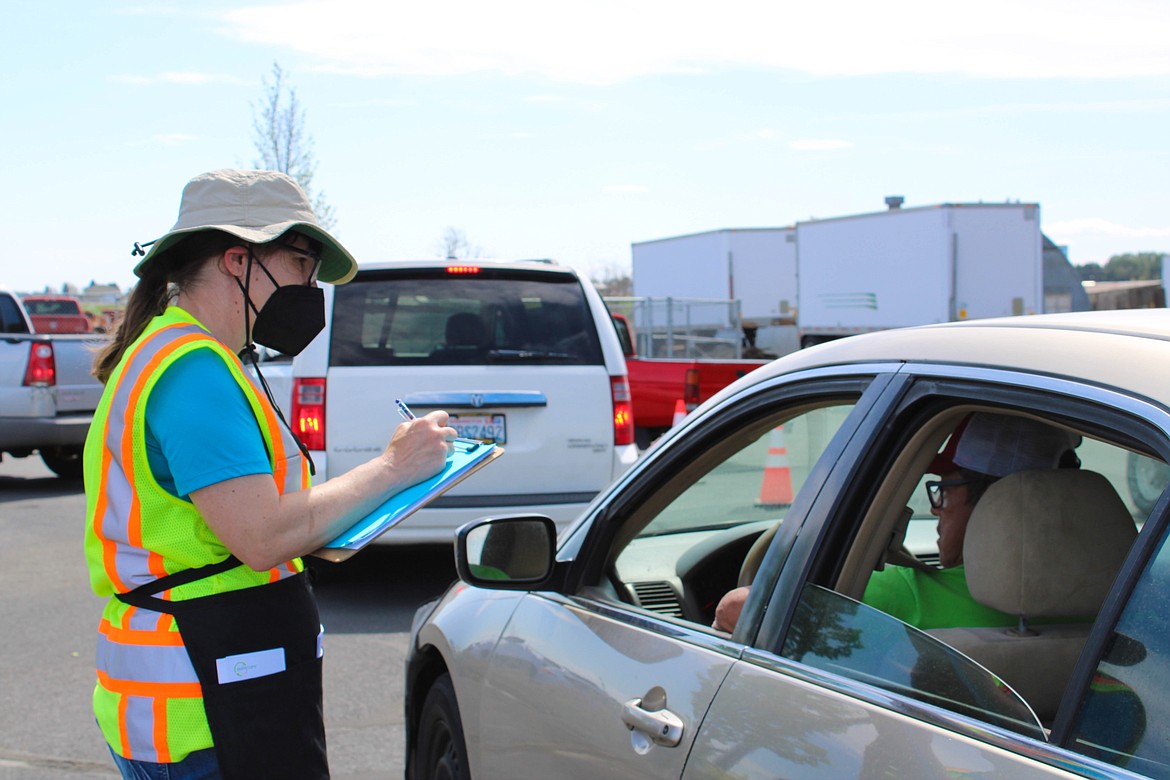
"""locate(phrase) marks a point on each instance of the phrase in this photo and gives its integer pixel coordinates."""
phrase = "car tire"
(1146, 479)
(442, 753)
(65, 462)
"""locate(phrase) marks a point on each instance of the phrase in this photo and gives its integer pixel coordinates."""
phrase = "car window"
(685, 548)
(491, 316)
(1125, 705)
(839, 635)
(11, 320)
(51, 306)
(1042, 542)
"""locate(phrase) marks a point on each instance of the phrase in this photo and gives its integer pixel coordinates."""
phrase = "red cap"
(944, 461)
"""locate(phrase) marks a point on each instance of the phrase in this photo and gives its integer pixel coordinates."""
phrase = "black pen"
(463, 445)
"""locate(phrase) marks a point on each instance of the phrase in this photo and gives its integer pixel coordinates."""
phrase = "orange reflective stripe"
(148, 690)
(134, 636)
(123, 732)
(161, 749)
(154, 562)
(134, 522)
(279, 465)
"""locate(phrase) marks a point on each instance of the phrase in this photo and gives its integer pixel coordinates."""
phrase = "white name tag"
(248, 666)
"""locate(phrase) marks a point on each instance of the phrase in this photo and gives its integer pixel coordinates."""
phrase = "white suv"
(521, 353)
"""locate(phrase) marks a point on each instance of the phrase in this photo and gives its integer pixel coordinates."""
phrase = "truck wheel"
(65, 462)
(1147, 479)
(441, 754)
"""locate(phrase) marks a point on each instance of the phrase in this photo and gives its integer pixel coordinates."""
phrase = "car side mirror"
(511, 552)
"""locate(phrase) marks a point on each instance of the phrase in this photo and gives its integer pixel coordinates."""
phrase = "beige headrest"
(1047, 543)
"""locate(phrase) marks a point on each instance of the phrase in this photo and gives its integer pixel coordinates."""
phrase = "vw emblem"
(477, 400)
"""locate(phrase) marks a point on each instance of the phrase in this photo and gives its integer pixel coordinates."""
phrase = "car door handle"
(649, 716)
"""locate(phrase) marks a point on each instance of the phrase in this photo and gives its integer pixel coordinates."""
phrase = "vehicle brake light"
(463, 269)
(691, 389)
(308, 411)
(42, 367)
(623, 411)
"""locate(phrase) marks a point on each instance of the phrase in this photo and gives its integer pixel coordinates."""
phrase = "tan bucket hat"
(255, 206)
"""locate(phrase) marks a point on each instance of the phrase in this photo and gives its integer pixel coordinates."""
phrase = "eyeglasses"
(309, 254)
(934, 489)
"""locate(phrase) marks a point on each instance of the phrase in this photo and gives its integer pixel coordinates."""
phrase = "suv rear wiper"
(521, 355)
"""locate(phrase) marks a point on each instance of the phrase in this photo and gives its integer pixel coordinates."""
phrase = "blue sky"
(571, 129)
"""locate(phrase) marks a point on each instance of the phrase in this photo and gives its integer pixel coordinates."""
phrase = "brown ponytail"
(162, 279)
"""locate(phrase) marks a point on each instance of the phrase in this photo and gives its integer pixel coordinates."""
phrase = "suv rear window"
(433, 317)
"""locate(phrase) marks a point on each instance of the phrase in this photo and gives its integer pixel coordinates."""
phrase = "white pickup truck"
(47, 392)
(520, 353)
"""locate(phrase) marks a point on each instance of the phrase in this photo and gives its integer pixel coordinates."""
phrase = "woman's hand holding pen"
(419, 447)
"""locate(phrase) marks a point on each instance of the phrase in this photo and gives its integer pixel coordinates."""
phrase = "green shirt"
(934, 599)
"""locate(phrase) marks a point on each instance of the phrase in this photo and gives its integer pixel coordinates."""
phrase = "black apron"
(256, 653)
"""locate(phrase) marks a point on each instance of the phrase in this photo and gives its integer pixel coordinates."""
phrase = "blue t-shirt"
(200, 429)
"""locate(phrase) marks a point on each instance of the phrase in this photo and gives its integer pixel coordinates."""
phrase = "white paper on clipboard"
(398, 507)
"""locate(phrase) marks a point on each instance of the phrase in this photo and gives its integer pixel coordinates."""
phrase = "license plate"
(485, 427)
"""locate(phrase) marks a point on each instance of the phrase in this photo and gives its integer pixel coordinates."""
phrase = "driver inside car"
(983, 448)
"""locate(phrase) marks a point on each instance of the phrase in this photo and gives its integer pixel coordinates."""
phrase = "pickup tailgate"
(15, 398)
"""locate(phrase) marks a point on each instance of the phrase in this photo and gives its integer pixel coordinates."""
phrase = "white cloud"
(174, 139)
(183, 78)
(606, 41)
(626, 188)
(820, 145)
(1097, 227)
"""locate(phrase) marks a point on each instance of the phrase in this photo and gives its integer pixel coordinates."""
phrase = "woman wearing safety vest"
(198, 496)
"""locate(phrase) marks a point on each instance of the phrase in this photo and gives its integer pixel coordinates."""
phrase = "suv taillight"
(623, 411)
(42, 368)
(308, 411)
(691, 389)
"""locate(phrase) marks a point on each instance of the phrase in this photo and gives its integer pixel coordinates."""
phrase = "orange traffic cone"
(776, 489)
(680, 412)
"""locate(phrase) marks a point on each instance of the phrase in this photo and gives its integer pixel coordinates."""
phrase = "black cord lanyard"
(249, 351)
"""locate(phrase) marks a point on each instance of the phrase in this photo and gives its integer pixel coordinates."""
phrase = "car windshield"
(434, 317)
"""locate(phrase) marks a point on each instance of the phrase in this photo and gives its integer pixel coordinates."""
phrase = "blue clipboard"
(468, 458)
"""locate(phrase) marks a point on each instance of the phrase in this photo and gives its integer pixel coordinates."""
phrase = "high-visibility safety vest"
(147, 700)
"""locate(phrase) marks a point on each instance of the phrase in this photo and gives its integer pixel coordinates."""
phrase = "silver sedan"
(1044, 652)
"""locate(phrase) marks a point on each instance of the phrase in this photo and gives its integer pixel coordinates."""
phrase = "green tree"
(278, 133)
(1133, 266)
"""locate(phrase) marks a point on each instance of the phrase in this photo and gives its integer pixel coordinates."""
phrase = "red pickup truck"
(56, 314)
(658, 384)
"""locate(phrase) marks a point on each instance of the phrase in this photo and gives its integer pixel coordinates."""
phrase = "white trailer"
(917, 266)
(756, 266)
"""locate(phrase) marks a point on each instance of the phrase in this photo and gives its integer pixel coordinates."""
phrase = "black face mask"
(291, 317)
